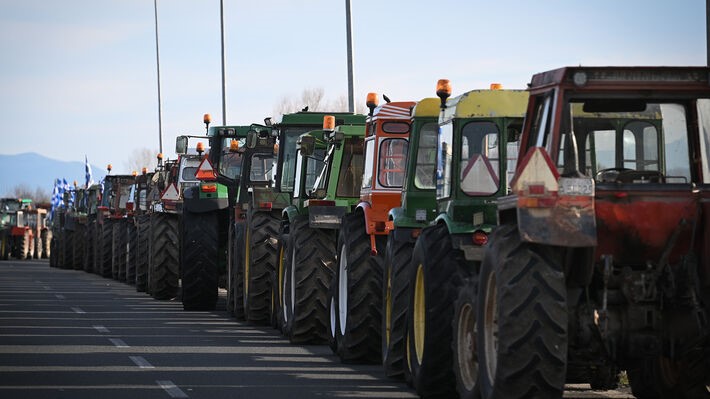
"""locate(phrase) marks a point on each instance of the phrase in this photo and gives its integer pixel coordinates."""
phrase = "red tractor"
(601, 262)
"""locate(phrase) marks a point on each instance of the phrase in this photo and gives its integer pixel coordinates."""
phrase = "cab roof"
(487, 104)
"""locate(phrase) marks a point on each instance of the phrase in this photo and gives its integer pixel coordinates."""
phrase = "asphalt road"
(70, 334)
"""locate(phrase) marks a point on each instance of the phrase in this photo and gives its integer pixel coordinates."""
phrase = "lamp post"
(349, 28)
(157, 61)
(224, 102)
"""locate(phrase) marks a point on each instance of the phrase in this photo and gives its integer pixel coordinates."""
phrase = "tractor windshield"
(287, 155)
(628, 141)
(350, 176)
(262, 168)
(392, 160)
(230, 161)
(426, 157)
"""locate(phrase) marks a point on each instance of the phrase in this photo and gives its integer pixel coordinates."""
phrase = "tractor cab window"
(262, 168)
(480, 159)
(426, 157)
(350, 177)
(368, 169)
(392, 162)
(627, 141)
(308, 168)
(444, 160)
(287, 155)
(703, 108)
(230, 162)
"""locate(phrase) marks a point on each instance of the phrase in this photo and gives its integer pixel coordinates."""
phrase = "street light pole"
(224, 102)
(157, 61)
(349, 28)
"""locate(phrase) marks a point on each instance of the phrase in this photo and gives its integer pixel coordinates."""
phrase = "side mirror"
(181, 145)
(252, 139)
(307, 145)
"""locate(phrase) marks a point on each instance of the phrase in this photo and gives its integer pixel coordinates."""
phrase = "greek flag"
(87, 175)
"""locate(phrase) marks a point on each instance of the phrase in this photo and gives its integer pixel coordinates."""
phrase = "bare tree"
(314, 99)
(38, 195)
(142, 158)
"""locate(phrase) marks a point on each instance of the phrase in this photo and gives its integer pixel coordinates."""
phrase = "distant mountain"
(36, 171)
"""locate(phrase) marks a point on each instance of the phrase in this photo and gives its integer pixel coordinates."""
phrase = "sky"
(79, 77)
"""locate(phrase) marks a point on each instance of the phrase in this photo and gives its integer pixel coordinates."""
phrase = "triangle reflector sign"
(170, 193)
(205, 171)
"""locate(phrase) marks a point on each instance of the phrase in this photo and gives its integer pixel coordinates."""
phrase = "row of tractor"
(496, 244)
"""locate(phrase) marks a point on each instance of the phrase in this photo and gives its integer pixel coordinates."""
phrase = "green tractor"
(254, 253)
(476, 153)
(113, 220)
(207, 208)
(327, 186)
(404, 225)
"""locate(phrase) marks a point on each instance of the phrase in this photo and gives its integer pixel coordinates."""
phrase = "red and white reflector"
(536, 184)
(170, 194)
(206, 171)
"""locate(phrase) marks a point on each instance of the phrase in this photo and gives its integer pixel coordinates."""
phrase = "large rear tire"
(437, 274)
(164, 266)
(311, 272)
(661, 377)
(132, 257)
(395, 301)
(199, 260)
(260, 261)
(79, 247)
(358, 294)
(522, 319)
(118, 269)
(106, 248)
(237, 270)
(142, 251)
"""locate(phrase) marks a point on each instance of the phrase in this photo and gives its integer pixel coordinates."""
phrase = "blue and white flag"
(87, 175)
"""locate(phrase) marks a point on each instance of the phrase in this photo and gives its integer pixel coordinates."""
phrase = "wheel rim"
(292, 282)
(490, 328)
(466, 345)
(419, 320)
(343, 290)
(388, 306)
(332, 317)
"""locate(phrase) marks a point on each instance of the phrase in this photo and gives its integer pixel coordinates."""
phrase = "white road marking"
(59, 296)
(118, 343)
(141, 362)
(78, 310)
(172, 389)
(101, 329)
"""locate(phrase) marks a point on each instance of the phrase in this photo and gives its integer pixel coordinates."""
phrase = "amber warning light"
(329, 122)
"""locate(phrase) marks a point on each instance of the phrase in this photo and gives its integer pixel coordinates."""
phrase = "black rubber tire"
(523, 302)
(118, 268)
(661, 377)
(164, 266)
(279, 282)
(311, 273)
(142, 251)
(358, 293)
(463, 344)
(106, 249)
(52, 251)
(132, 257)
(230, 272)
(395, 301)
(260, 261)
(437, 274)
(238, 270)
(88, 255)
(78, 247)
(199, 260)
(22, 246)
(67, 250)
(46, 239)
(37, 247)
